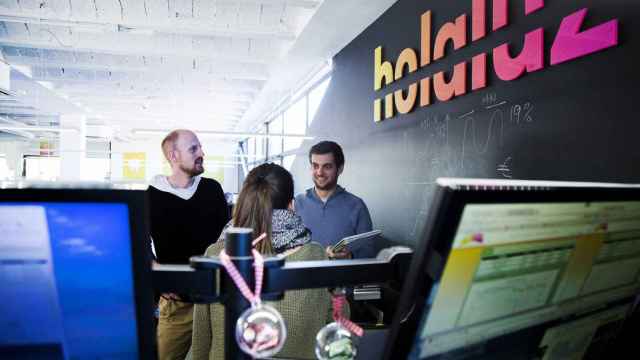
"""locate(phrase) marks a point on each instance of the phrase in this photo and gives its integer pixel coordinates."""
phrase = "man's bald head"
(169, 142)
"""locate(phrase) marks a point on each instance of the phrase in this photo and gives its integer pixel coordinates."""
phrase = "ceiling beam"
(168, 48)
(76, 89)
(78, 95)
(237, 103)
(37, 128)
(183, 116)
(155, 112)
(20, 133)
(225, 134)
(27, 111)
(218, 73)
(192, 27)
(131, 118)
(164, 121)
(306, 4)
(202, 87)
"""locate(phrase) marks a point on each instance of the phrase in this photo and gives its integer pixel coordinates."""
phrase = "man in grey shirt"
(327, 209)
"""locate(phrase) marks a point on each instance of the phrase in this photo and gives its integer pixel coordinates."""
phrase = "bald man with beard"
(187, 213)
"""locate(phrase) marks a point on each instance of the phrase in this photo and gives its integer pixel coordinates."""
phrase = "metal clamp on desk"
(367, 292)
(205, 281)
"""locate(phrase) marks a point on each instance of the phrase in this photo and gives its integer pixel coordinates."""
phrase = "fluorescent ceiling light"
(225, 166)
(47, 84)
(135, 30)
(221, 163)
(98, 152)
(83, 26)
(36, 128)
(24, 69)
(224, 134)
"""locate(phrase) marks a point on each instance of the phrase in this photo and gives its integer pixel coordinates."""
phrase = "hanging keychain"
(338, 340)
(260, 330)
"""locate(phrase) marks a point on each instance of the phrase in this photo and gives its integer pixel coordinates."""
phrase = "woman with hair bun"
(265, 205)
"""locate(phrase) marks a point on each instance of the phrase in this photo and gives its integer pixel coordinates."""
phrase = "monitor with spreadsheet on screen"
(74, 275)
(522, 270)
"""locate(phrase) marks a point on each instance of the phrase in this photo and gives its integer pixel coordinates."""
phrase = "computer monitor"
(75, 275)
(520, 270)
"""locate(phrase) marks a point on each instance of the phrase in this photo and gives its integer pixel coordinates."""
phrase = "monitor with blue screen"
(74, 275)
(527, 270)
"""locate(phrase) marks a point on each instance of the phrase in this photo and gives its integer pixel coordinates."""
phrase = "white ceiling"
(203, 64)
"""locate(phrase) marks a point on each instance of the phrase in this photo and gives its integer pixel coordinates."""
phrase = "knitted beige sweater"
(305, 312)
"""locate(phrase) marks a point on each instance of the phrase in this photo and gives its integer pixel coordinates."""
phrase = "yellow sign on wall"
(166, 167)
(134, 165)
(213, 168)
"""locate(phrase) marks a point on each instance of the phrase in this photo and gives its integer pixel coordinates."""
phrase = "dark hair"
(326, 147)
(267, 187)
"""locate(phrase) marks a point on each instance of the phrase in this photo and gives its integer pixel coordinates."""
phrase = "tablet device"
(354, 241)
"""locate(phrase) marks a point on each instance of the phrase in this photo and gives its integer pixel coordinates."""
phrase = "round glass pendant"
(261, 331)
(336, 342)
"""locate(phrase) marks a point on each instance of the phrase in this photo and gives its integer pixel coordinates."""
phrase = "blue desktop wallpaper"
(92, 265)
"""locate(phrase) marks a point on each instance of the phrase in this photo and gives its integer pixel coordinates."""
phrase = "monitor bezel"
(433, 246)
(137, 205)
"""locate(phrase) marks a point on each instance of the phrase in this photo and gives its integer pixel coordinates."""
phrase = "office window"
(295, 122)
(275, 144)
(48, 168)
(42, 168)
(245, 146)
(251, 150)
(260, 145)
(5, 172)
(96, 169)
(287, 161)
(294, 118)
(315, 98)
(214, 166)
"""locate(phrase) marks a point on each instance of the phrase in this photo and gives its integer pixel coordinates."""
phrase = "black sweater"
(183, 228)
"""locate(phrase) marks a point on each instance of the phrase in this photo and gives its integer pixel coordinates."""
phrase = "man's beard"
(328, 186)
(192, 171)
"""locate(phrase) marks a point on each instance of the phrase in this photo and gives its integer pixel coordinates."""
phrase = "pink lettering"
(478, 19)
(479, 71)
(500, 14)
(531, 57)
(571, 43)
(532, 5)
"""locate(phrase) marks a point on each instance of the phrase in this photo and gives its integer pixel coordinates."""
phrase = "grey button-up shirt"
(342, 215)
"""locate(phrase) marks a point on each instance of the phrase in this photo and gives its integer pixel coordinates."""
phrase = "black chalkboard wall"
(573, 121)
